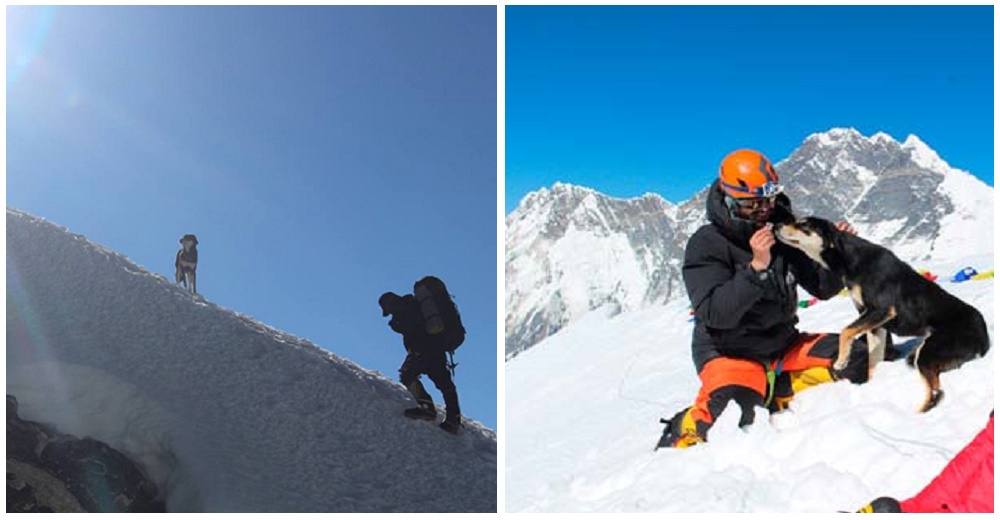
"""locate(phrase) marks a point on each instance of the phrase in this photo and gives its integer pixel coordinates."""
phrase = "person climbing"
(742, 286)
(423, 356)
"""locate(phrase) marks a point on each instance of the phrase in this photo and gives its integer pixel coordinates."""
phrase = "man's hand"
(845, 227)
(760, 244)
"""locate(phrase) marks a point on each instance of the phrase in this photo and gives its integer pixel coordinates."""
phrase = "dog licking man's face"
(806, 235)
(770, 210)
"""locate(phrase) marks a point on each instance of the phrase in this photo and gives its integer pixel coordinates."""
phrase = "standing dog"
(892, 297)
(186, 263)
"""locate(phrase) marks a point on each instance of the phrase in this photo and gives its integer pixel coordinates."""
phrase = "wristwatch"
(761, 275)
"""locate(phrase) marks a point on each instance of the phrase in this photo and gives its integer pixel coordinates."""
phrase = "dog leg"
(194, 284)
(932, 379)
(869, 320)
(876, 349)
(844, 348)
(931, 358)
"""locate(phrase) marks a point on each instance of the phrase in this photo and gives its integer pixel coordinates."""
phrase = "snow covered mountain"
(570, 250)
(221, 412)
(582, 410)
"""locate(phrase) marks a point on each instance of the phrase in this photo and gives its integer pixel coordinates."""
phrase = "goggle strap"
(769, 189)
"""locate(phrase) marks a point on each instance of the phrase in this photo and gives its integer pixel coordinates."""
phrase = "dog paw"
(840, 364)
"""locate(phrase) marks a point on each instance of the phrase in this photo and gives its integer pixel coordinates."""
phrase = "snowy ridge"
(582, 408)
(223, 412)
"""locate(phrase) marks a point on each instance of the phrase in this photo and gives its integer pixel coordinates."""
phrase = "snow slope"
(223, 412)
(582, 410)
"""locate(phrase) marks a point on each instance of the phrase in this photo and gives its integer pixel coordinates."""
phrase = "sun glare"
(27, 28)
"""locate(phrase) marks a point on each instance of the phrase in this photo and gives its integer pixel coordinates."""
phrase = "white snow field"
(582, 410)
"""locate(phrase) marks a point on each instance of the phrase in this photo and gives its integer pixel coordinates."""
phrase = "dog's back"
(892, 296)
(921, 305)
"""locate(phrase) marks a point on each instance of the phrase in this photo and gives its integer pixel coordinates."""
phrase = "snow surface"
(590, 265)
(222, 412)
(582, 410)
(962, 229)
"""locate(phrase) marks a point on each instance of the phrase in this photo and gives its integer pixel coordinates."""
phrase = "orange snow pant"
(806, 363)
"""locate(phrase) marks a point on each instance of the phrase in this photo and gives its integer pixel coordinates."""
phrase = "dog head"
(811, 235)
(782, 212)
(188, 241)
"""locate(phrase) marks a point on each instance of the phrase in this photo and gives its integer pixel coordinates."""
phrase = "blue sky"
(629, 100)
(322, 155)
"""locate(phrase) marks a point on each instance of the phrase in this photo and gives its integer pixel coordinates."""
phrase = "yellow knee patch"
(803, 379)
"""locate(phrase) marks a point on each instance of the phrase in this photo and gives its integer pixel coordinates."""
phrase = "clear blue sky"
(629, 100)
(322, 155)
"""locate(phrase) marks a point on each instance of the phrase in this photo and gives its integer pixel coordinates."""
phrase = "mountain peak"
(835, 136)
(564, 187)
(882, 137)
(924, 156)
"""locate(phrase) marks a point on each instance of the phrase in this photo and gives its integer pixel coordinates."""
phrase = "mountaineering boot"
(680, 431)
(420, 412)
(451, 425)
(425, 405)
(882, 505)
(453, 416)
(424, 409)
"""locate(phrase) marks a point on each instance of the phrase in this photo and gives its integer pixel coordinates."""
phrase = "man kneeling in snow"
(742, 286)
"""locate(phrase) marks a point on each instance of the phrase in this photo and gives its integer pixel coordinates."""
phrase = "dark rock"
(51, 472)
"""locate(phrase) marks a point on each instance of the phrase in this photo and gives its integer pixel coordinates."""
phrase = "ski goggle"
(754, 203)
(768, 189)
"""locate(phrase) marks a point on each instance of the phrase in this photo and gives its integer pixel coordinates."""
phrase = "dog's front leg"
(844, 348)
(876, 348)
(194, 284)
(868, 321)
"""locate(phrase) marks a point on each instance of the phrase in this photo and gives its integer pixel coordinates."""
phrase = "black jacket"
(739, 313)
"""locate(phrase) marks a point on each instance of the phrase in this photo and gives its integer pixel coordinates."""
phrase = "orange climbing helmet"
(747, 174)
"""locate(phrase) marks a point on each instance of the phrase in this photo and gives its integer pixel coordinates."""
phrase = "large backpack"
(441, 318)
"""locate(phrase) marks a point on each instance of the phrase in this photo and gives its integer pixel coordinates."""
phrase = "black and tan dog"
(186, 263)
(892, 297)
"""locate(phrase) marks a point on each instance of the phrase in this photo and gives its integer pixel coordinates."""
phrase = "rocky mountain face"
(570, 250)
(50, 472)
